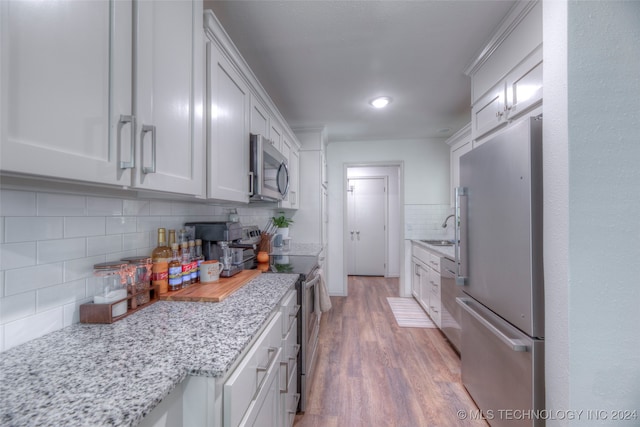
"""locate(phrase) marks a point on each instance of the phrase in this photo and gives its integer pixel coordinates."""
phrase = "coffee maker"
(225, 242)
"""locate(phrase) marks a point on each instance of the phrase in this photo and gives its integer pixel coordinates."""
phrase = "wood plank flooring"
(371, 373)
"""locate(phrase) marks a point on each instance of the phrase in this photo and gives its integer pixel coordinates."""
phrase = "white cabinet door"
(415, 280)
(66, 80)
(488, 112)
(168, 96)
(524, 85)
(294, 177)
(259, 118)
(227, 129)
(276, 136)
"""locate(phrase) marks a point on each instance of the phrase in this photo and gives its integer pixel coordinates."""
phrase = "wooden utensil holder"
(103, 313)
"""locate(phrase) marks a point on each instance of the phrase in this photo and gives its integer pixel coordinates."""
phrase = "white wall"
(592, 232)
(49, 243)
(425, 165)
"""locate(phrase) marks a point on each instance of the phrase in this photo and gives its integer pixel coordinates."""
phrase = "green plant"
(282, 221)
(284, 268)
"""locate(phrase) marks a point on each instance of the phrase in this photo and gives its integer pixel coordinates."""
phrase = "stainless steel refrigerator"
(500, 269)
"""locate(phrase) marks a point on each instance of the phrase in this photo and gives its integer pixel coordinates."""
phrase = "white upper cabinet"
(290, 150)
(506, 79)
(259, 118)
(276, 137)
(169, 86)
(72, 108)
(66, 90)
(227, 129)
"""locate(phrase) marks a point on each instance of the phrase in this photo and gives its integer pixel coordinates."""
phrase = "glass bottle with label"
(192, 259)
(186, 265)
(175, 269)
(172, 237)
(199, 258)
(160, 262)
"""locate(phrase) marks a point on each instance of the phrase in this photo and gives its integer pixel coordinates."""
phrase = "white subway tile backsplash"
(50, 242)
(121, 224)
(59, 295)
(81, 268)
(134, 241)
(84, 226)
(17, 255)
(17, 203)
(149, 223)
(31, 278)
(103, 245)
(135, 207)
(32, 327)
(61, 205)
(17, 306)
(27, 229)
(61, 250)
(159, 208)
(104, 206)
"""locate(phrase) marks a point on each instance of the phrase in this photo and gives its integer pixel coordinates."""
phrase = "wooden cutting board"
(212, 292)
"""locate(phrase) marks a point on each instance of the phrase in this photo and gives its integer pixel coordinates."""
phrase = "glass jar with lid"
(111, 281)
(139, 279)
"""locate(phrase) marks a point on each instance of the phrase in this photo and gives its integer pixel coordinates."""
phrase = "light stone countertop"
(114, 375)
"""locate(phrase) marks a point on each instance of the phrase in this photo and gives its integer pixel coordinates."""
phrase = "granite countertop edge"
(116, 374)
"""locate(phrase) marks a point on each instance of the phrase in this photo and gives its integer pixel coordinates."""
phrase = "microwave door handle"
(286, 187)
(251, 190)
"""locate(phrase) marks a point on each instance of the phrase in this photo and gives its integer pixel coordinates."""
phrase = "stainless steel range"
(309, 321)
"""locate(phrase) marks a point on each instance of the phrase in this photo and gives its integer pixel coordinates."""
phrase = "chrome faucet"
(444, 224)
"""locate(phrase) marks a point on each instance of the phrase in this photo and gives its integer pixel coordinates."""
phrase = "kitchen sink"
(438, 242)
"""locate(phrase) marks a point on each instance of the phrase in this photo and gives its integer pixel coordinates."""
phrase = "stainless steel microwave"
(269, 174)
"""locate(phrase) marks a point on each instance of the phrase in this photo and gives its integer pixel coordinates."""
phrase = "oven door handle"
(312, 282)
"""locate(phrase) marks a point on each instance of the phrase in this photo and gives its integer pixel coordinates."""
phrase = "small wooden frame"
(102, 313)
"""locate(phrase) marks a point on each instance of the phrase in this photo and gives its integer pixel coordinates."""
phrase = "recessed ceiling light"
(380, 102)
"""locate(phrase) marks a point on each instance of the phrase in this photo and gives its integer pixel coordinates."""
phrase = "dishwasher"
(451, 319)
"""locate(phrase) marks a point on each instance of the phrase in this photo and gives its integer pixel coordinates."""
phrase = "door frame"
(402, 250)
(385, 178)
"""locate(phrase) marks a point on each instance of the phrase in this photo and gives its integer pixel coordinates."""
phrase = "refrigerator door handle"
(458, 248)
(514, 344)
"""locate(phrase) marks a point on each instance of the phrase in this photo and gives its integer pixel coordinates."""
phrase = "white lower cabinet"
(425, 281)
(290, 349)
(253, 388)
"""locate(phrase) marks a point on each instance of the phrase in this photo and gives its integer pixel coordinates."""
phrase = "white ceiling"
(322, 61)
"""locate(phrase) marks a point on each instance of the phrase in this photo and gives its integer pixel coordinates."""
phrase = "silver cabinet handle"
(152, 129)
(270, 363)
(121, 123)
(286, 377)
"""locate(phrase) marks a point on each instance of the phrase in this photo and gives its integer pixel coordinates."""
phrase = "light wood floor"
(371, 373)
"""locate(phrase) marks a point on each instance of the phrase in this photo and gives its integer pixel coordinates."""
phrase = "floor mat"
(409, 314)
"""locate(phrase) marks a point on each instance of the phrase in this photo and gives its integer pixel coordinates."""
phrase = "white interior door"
(366, 208)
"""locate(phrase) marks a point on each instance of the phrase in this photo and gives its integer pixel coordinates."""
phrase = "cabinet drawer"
(291, 398)
(421, 253)
(249, 377)
(289, 310)
(290, 347)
